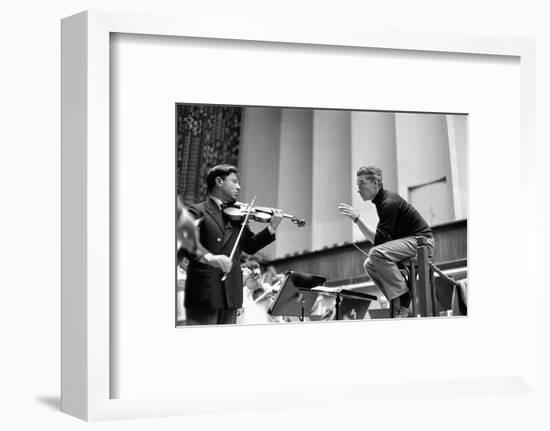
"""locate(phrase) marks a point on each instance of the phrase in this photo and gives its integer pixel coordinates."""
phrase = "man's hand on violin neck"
(219, 261)
(276, 218)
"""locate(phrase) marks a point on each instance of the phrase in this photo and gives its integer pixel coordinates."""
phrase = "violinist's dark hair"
(221, 171)
(372, 173)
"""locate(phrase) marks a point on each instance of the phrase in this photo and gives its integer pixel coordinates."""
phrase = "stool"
(423, 296)
(408, 270)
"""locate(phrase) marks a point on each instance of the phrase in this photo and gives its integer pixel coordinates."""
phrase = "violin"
(237, 211)
(269, 292)
(186, 230)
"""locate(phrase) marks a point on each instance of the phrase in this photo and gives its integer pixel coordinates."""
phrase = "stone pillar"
(295, 180)
(259, 160)
(331, 167)
(457, 128)
(372, 143)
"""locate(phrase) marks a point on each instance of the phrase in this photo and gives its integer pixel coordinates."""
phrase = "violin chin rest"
(232, 211)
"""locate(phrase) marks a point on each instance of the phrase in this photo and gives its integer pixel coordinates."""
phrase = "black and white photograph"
(290, 215)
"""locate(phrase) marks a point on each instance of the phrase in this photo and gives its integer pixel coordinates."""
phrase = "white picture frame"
(86, 169)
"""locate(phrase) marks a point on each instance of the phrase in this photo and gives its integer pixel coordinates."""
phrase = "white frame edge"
(73, 217)
(85, 205)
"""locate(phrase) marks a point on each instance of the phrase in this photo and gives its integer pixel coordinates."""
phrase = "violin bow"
(240, 234)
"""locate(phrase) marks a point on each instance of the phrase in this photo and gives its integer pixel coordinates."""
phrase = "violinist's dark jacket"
(204, 287)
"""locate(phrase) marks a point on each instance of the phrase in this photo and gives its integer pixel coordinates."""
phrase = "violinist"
(209, 299)
(186, 233)
(257, 295)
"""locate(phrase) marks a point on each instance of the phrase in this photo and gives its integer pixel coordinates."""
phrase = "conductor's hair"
(221, 171)
(372, 173)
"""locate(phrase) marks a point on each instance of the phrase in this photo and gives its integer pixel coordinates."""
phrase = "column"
(331, 167)
(295, 180)
(372, 143)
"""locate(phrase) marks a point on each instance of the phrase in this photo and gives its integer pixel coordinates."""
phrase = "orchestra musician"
(208, 298)
(257, 295)
(187, 235)
(394, 238)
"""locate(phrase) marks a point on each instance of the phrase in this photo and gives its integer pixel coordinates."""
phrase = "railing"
(343, 263)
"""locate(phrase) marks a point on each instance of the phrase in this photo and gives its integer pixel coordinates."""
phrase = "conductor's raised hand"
(348, 211)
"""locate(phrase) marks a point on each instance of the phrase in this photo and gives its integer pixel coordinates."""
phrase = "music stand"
(291, 300)
(340, 293)
(354, 308)
(380, 313)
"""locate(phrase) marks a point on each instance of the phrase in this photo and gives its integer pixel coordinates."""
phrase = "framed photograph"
(151, 103)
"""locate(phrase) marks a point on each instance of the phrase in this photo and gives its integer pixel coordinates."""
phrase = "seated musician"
(394, 238)
(257, 295)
